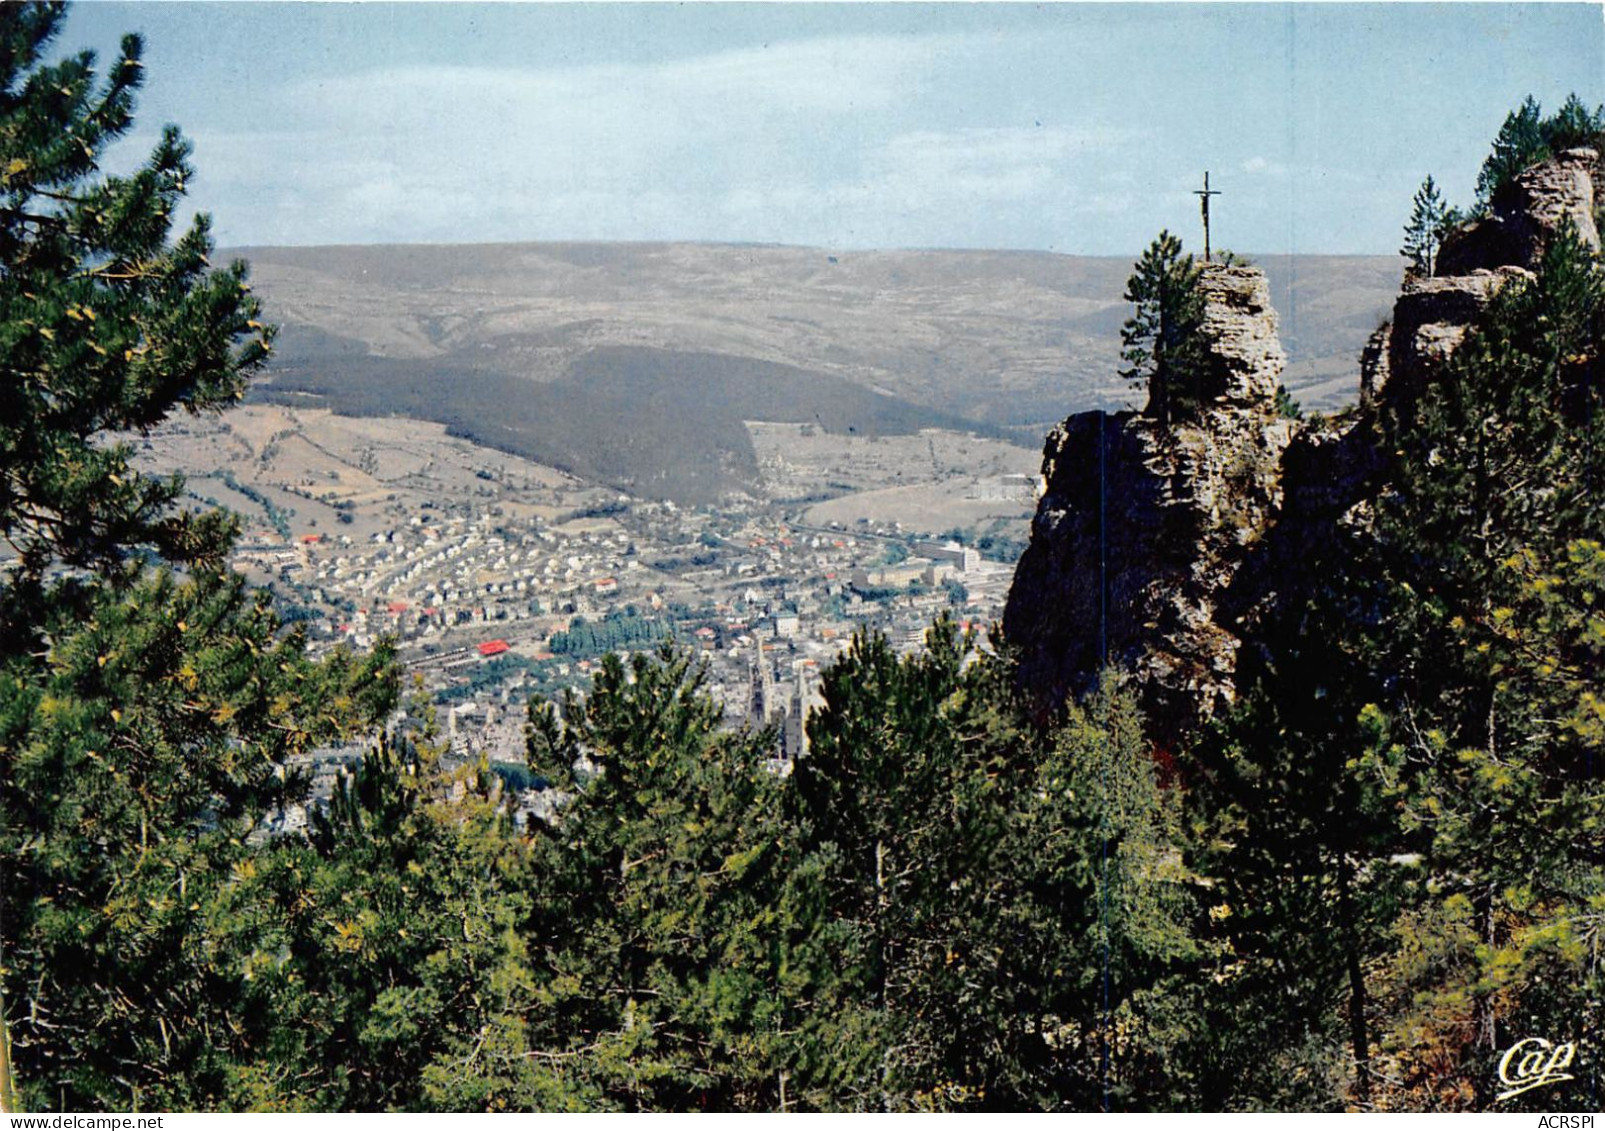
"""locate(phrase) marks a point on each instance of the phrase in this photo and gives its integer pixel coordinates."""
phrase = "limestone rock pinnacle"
(1141, 526)
(1178, 553)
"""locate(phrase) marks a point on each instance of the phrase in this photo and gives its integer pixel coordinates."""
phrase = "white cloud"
(1257, 165)
(805, 141)
(948, 187)
(833, 75)
(995, 163)
(582, 151)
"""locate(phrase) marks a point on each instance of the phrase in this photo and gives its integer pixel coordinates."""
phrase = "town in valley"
(499, 579)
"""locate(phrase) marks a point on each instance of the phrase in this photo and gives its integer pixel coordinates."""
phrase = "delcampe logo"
(1532, 1063)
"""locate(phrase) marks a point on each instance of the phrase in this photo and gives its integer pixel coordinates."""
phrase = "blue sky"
(1076, 128)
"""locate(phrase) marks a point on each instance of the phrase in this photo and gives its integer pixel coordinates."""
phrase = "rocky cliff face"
(1174, 552)
(1526, 215)
(1141, 528)
(1433, 314)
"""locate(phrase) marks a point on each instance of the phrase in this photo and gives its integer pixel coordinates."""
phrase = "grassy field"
(331, 474)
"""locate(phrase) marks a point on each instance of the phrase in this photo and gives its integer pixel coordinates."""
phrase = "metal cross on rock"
(1203, 201)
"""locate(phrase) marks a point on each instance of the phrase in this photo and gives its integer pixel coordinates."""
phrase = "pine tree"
(1403, 803)
(106, 325)
(136, 757)
(1574, 124)
(1519, 143)
(387, 964)
(903, 797)
(1423, 235)
(147, 713)
(1482, 740)
(1302, 851)
(1103, 909)
(1012, 916)
(1528, 137)
(1162, 343)
(677, 960)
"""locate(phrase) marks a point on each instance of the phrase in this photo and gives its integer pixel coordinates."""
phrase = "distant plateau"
(635, 365)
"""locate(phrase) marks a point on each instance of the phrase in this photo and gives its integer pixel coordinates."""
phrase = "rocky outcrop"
(1245, 354)
(1432, 315)
(1431, 318)
(1176, 553)
(1526, 215)
(1374, 367)
(1141, 527)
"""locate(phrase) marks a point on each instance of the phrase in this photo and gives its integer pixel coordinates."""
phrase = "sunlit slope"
(635, 363)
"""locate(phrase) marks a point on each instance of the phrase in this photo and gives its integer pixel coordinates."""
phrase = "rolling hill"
(635, 364)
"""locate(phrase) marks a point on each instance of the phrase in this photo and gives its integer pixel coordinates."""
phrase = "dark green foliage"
(389, 955)
(1481, 554)
(145, 721)
(1574, 124)
(678, 955)
(1286, 405)
(133, 761)
(1518, 144)
(618, 629)
(658, 423)
(893, 554)
(940, 908)
(1007, 895)
(1423, 235)
(105, 325)
(881, 593)
(1097, 848)
(518, 776)
(488, 675)
(1379, 868)
(1001, 546)
(1406, 801)
(1301, 852)
(1519, 408)
(1162, 343)
(1528, 137)
(276, 515)
(898, 800)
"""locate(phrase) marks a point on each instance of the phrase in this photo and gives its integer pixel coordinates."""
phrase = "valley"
(550, 450)
(499, 577)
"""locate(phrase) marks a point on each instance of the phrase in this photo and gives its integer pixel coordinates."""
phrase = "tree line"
(1526, 137)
